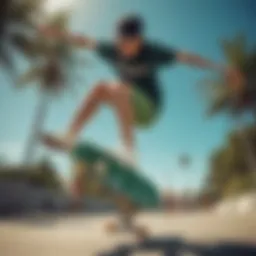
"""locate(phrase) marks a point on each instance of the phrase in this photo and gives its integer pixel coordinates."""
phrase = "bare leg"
(118, 96)
(124, 110)
(99, 95)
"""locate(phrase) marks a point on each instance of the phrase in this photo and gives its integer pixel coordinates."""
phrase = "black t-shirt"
(142, 70)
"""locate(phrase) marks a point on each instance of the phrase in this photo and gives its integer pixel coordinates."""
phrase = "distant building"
(19, 197)
(25, 190)
(172, 201)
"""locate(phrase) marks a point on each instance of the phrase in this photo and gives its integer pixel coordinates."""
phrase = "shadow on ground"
(178, 247)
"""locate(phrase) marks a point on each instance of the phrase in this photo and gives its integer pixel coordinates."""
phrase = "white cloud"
(56, 5)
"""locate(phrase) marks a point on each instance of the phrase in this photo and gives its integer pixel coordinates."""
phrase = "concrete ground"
(85, 235)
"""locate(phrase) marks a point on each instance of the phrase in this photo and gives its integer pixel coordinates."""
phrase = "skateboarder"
(135, 96)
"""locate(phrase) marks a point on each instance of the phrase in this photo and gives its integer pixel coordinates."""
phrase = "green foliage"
(18, 31)
(231, 169)
(230, 173)
(54, 63)
(41, 175)
(219, 95)
(235, 50)
(16, 18)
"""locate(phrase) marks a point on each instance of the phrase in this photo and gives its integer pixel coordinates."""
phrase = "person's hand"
(235, 79)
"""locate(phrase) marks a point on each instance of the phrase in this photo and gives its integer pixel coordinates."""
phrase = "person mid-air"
(135, 96)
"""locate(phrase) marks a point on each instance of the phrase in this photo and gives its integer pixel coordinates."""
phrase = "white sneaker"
(57, 142)
(126, 156)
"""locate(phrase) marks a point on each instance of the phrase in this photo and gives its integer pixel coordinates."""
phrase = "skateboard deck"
(116, 175)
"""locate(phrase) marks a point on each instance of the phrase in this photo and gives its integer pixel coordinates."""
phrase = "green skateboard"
(117, 176)
(116, 180)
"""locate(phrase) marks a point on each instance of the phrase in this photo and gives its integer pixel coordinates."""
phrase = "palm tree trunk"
(37, 126)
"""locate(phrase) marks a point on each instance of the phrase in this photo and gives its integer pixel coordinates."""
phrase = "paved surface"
(85, 236)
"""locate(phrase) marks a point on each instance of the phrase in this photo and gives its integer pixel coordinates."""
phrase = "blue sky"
(195, 26)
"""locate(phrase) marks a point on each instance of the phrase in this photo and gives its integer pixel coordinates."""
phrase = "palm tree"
(220, 95)
(53, 65)
(229, 172)
(17, 18)
(222, 98)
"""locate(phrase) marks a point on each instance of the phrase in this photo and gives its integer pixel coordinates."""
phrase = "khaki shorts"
(145, 111)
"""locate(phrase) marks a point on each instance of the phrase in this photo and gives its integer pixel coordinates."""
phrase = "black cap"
(131, 26)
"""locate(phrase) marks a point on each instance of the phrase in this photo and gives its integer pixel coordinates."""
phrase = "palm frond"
(32, 75)
(251, 63)
(23, 11)
(60, 62)
(24, 44)
(217, 95)
(32, 47)
(13, 15)
(4, 13)
(59, 20)
(53, 75)
(6, 60)
(235, 50)
(213, 88)
(219, 105)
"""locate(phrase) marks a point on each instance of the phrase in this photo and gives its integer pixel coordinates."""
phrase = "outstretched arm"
(234, 77)
(197, 61)
(73, 39)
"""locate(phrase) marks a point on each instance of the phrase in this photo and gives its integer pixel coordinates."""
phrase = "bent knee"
(120, 90)
(111, 87)
(101, 88)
